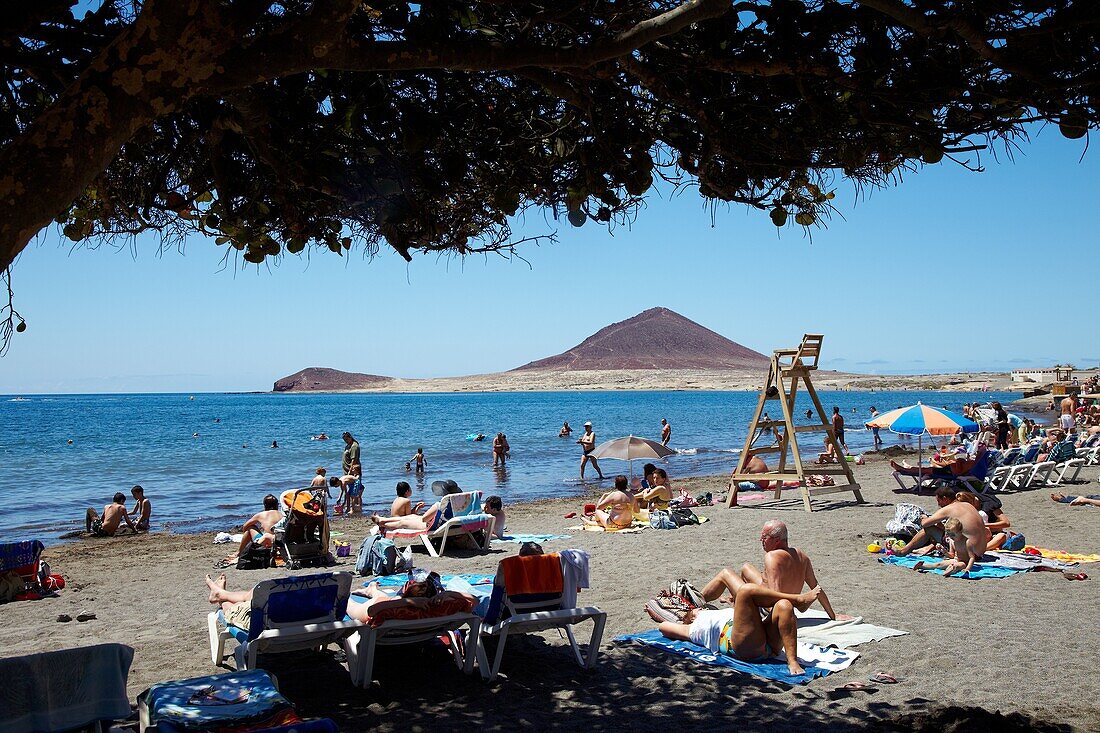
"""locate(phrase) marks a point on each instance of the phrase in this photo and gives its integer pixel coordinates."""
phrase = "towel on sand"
(979, 571)
(1064, 556)
(521, 538)
(66, 689)
(815, 627)
(816, 660)
(634, 528)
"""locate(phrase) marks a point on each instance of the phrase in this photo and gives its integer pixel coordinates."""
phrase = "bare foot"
(919, 565)
(216, 588)
(1057, 497)
(805, 600)
(793, 666)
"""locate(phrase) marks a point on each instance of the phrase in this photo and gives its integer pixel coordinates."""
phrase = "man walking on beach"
(588, 444)
(786, 569)
(351, 452)
(666, 432)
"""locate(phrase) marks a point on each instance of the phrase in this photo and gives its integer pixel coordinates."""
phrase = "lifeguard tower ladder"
(787, 368)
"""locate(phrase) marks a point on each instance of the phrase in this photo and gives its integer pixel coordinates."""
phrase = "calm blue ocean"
(217, 479)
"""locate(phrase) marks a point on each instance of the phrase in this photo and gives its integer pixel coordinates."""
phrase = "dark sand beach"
(1006, 655)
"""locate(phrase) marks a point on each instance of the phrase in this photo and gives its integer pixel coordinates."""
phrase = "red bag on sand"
(53, 582)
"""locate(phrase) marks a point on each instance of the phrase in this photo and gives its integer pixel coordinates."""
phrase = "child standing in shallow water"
(959, 559)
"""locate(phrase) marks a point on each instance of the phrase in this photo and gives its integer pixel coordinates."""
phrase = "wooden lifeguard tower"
(787, 368)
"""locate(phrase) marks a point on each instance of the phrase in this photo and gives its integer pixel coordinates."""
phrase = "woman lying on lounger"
(741, 633)
(408, 521)
(414, 594)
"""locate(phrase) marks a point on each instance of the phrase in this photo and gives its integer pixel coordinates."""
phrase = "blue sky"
(949, 271)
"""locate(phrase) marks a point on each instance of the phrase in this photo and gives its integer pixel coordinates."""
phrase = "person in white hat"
(588, 444)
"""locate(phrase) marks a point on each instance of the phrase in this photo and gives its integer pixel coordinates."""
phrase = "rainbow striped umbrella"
(920, 419)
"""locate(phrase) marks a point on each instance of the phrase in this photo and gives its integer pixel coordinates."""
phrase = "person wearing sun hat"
(588, 444)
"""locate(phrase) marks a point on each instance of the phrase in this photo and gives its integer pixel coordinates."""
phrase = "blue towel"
(398, 579)
(769, 670)
(977, 572)
(520, 538)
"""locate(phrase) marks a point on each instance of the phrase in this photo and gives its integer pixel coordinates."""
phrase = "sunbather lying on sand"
(1092, 500)
(615, 509)
(744, 632)
(958, 558)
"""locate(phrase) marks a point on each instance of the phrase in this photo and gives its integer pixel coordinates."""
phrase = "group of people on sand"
(115, 515)
(760, 622)
(617, 508)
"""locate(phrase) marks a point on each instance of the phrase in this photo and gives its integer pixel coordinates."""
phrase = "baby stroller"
(303, 537)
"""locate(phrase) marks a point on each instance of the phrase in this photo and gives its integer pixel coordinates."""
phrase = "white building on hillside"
(1043, 376)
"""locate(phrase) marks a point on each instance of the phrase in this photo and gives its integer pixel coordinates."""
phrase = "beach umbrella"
(631, 448)
(919, 419)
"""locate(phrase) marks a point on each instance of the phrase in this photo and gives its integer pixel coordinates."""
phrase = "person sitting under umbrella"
(659, 494)
(615, 509)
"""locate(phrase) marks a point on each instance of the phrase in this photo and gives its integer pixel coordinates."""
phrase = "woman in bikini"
(615, 509)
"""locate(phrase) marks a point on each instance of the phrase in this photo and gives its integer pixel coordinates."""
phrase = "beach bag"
(681, 588)
(683, 517)
(256, 557)
(1015, 542)
(661, 519)
(378, 555)
(906, 521)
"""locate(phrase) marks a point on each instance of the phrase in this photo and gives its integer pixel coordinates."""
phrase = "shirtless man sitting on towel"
(973, 526)
(786, 569)
(743, 632)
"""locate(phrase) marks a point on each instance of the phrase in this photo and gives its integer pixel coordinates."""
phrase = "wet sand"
(1005, 655)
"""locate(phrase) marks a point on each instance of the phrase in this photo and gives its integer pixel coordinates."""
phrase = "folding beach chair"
(288, 614)
(459, 514)
(529, 595)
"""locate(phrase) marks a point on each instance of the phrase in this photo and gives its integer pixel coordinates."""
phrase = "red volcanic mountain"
(322, 379)
(654, 339)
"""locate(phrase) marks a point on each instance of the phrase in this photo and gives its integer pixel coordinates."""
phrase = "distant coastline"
(644, 380)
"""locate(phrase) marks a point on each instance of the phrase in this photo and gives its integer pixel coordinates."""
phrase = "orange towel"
(532, 574)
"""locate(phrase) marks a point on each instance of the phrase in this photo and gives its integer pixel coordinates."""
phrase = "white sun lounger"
(288, 614)
(525, 610)
(361, 646)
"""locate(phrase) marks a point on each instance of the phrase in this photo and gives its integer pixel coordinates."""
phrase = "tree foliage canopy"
(276, 126)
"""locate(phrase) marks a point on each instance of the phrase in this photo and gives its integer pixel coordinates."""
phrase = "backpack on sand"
(379, 556)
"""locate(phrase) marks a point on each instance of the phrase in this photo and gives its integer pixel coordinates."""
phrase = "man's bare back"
(112, 517)
(973, 527)
(265, 521)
